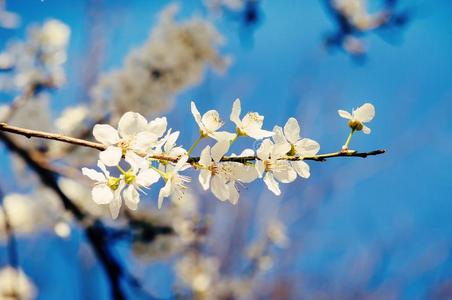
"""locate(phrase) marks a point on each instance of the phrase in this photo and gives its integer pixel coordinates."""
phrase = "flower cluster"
(144, 152)
(174, 58)
(36, 62)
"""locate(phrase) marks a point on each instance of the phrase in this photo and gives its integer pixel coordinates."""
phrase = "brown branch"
(29, 133)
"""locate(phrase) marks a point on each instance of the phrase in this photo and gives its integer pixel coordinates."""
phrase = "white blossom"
(250, 125)
(363, 114)
(209, 123)
(133, 135)
(107, 189)
(271, 167)
(173, 58)
(14, 285)
(175, 183)
(298, 147)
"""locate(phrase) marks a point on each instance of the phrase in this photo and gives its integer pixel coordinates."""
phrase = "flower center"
(129, 177)
(355, 125)
(113, 183)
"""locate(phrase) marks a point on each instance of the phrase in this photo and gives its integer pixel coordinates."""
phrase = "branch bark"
(29, 133)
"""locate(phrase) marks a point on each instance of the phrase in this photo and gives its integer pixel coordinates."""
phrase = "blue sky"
(400, 202)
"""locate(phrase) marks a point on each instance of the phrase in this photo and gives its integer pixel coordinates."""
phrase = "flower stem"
(347, 142)
(163, 174)
(121, 169)
(195, 144)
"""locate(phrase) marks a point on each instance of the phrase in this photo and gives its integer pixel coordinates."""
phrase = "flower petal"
(131, 123)
(307, 147)
(219, 150)
(222, 135)
(278, 136)
(111, 156)
(280, 150)
(158, 126)
(364, 113)
(105, 134)
(115, 206)
(301, 168)
(147, 177)
(233, 193)
(135, 161)
(211, 120)
(285, 173)
(366, 129)
(102, 194)
(94, 175)
(235, 113)
(196, 115)
(292, 130)
(264, 150)
(204, 178)
(131, 197)
(344, 114)
(219, 188)
(272, 184)
(205, 158)
(164, 193)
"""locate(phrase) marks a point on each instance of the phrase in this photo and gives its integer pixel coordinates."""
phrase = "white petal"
(171, 141)
(205, 158)
(164, 193)
(94, 175)
(244, 173)
(280, 150)
(219, 189)
(115, 206)
(260, 168)
(235, 113)
(219, 150)
(307, 147)
(272, 184)
(287, 175)
(211, 120)
(144, 141)
(259, 134)
(196, 115)
(105, 134)
(135, 161)
(292, 130)
(131, 123)
(147, 177)
(111, 156)
(344, 114)
(131, 197)
(233, 193)
(222, 135)
(302, 168)
(181, 164)
(278, 136)
(204, 179)
(158, 126)
(102, 194)
(364, 113)
(264, 150)
(366, 129)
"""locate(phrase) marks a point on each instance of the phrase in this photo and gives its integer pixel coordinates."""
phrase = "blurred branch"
(95, 230)
(29, 133)
(13, 256)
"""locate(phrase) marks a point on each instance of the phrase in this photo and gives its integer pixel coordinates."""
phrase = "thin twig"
(29, 133)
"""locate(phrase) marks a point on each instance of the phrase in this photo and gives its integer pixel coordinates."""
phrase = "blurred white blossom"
(15, 285)
(174, 58)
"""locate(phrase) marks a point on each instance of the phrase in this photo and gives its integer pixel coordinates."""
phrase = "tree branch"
(29, 133)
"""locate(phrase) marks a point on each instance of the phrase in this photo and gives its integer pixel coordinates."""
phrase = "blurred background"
(375, 228)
